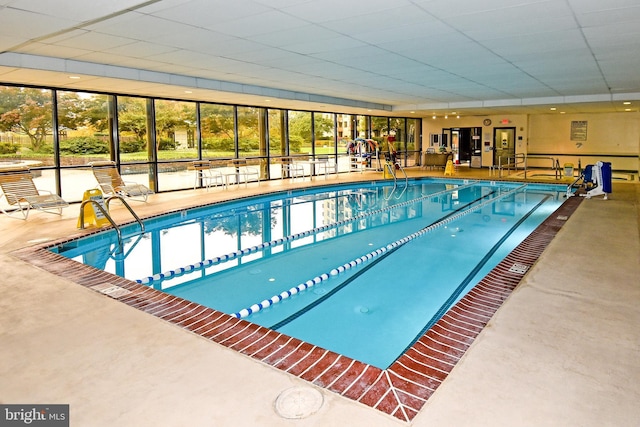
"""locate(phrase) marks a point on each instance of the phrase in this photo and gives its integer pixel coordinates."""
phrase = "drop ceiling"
(391, 57)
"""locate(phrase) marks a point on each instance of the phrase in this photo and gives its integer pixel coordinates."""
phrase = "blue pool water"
(361, 269)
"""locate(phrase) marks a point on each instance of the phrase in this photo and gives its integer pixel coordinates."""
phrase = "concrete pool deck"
(563, 349)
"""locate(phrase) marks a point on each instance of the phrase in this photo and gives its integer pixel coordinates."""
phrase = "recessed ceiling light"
(74, 77)
(433, 117)
(626, 103)
(553, 108)
(627, 109)
(188, 91)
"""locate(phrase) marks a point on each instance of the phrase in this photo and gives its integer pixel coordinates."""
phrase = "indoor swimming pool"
(362, 270)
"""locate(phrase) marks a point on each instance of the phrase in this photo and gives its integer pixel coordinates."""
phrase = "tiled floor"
(400, 391)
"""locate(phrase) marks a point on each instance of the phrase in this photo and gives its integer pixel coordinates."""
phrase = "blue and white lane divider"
(245, 312)
(233, 255)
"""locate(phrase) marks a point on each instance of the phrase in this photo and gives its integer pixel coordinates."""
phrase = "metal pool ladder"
(105, 212)
(391, 170)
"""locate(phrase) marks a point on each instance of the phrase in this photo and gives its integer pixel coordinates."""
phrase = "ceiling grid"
(422, 56)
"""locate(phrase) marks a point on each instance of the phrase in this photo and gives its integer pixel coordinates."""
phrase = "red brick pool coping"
(400, 391)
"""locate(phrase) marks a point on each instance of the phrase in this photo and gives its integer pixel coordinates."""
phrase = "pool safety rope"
(233, 255)
(370, 256)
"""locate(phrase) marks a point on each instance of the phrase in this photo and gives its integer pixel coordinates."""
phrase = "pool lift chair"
(20, 191)
(594, 179)
(110, 182)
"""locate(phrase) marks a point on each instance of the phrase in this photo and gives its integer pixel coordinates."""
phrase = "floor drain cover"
(298, 402)
(111, 290)
(519, 268)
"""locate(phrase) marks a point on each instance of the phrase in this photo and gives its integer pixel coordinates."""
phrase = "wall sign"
(579, 130)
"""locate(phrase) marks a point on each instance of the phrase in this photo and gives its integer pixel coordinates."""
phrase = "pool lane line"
(388, 250)
(276, 242)
(465, 282)
(374, 256)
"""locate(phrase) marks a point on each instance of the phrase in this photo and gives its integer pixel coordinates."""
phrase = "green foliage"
(26, 111)
(248, 144)
(323, 127)
(172, 115)
(84, 145)
(132, 117)
(218, 144)
(167, 144)
(8, 148)
(132, 145)
(300, 125)
(295, 143)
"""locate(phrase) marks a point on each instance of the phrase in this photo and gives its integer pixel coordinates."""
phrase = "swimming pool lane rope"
(247, 251)
(368, 257)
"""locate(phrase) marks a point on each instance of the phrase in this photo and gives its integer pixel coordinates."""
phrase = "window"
(299, 132)
(26, 122)
(217, 130)
(175, 127)
(324, 133)
(249, 128)
(84, 136)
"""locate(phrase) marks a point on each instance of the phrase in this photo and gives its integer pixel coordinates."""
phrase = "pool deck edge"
(400, 391)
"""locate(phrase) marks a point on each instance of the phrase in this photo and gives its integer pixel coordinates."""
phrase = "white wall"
(613, 137)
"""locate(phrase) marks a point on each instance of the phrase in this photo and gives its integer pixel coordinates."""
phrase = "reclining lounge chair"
(111, 183)
(20, 191)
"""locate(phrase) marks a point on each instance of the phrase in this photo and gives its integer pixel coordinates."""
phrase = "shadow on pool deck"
(563, 349)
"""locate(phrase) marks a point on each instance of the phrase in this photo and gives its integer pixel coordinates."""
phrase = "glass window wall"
(155, 140)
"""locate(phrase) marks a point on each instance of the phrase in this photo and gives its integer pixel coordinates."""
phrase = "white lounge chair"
(20, 191)
(110, 182)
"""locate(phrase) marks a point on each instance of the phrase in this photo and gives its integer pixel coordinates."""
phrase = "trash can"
(568, 169)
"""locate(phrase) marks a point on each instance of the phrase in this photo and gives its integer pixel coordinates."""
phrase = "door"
(464, 145)
(504, 146)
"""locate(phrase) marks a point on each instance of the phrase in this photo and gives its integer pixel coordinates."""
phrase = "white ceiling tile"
(263, 23)
(29, 25)
(45, 49)
(389, 52)
(328, 10)
(207, 13)
(138, 26)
